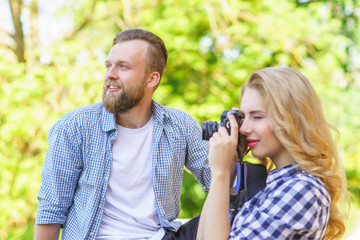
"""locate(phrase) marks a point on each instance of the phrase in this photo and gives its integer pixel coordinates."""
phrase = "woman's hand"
(223, 147)
(214, 220)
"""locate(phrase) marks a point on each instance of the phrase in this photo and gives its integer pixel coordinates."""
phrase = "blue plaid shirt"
(77, 166)
(293, 205)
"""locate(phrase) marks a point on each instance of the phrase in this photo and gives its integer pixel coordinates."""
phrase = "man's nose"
(111, 73)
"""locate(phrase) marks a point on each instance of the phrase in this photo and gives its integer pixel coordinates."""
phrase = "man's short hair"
(156, 53)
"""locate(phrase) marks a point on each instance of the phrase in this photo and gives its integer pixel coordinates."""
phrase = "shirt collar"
(109, 123)
(107, 120)
(158, 111)
(284, 172)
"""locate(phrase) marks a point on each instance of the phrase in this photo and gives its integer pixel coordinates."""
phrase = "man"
(114, 169)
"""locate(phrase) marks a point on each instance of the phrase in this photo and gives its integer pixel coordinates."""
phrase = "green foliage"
(192, 197)
(353, 185)
(213, 47)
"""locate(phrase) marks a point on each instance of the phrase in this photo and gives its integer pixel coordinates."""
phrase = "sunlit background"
(52, 61)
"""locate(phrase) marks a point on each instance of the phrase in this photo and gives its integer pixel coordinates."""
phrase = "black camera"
(210, 127)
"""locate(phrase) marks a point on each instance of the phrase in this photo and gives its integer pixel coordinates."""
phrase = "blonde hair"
(297, 119)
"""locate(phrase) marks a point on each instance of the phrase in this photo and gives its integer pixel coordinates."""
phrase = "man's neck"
(136, 117)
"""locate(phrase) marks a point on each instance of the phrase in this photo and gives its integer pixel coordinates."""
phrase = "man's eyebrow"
(117, 62)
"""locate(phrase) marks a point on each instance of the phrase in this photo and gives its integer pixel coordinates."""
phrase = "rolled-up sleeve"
(60, 173)
(197, 155)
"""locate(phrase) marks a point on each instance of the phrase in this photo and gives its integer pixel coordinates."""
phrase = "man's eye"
(123, 66)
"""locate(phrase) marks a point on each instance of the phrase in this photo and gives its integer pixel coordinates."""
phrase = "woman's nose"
(245, 128)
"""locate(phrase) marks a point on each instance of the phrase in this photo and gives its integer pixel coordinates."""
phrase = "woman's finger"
(234, 128)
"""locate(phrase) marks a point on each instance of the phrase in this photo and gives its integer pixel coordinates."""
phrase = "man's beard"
(115, 102)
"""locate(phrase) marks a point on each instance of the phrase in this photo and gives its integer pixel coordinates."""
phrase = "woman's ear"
(153, 80)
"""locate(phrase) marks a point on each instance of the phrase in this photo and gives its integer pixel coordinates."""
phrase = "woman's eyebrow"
(253, 112)
(257, 111)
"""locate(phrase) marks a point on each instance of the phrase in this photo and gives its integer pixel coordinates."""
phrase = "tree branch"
(18, 36)
(86, 21)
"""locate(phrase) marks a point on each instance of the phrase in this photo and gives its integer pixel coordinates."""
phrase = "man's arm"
(47, 232)
(197, 154)
(60, 174)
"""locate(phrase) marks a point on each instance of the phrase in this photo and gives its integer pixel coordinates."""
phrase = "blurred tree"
(18, 35)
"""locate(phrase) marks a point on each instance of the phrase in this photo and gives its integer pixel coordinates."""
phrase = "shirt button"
(100, 206)
(91, 233)
(106, 178)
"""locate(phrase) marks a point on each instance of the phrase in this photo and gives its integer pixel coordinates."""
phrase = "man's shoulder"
(84, 111)
(82, 116)
(174, 114)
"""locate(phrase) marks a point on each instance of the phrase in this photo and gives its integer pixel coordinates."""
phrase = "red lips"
(252, 142)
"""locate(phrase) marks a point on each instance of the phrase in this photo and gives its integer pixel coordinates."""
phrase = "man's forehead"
(134, 45)
(133, 41)
(129, 49)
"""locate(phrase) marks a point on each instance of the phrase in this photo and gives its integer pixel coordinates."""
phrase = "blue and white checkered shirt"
(77, 166)
(293, 205)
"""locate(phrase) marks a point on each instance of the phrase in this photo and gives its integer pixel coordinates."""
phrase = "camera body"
(210, 127)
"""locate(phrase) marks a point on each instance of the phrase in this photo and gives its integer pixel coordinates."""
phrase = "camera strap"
(251, 178)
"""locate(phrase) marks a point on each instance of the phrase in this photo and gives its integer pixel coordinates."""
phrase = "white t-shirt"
(130, 209)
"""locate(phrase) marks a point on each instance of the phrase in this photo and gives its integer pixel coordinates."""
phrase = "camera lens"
(208, 129)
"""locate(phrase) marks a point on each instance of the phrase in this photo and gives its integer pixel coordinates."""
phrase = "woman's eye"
(258, 117)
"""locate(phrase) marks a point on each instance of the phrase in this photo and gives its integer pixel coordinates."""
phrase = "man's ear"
(153, 80)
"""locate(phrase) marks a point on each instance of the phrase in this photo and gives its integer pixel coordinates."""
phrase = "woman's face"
(257, 129)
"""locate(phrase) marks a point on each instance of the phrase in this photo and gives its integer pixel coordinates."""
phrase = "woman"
(284, 125)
